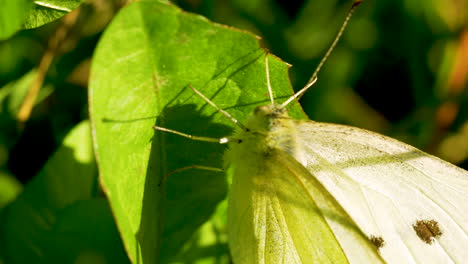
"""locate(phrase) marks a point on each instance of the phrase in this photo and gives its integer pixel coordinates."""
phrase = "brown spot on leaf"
(378, 241)
(427, 230)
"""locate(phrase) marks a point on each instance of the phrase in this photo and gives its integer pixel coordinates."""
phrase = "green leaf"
(209, 243)
(26, 14)
(12, 15)
(45, 11)
(9, 188)
(140, 77)
(58, 218)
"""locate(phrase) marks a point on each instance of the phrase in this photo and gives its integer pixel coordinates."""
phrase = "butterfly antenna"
(267, 70)
(235, 121)
(313, 79)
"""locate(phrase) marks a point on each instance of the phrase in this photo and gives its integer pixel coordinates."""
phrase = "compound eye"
(257, 109)
(261, 109)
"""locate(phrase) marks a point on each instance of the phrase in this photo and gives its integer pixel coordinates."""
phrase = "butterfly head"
(268, 128)
(264, 118)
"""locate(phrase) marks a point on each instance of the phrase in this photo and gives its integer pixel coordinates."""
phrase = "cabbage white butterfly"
(309, 192)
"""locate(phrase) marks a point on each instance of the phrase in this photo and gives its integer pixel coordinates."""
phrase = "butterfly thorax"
(268, 128)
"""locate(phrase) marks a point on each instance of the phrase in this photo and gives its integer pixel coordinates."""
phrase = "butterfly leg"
(198, 167)
(222, 140)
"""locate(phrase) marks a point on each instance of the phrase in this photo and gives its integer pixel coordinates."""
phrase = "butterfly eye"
(257, 109)
(263, 109)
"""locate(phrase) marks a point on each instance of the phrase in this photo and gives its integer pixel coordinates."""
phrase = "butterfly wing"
(274, 219)
(411, 204)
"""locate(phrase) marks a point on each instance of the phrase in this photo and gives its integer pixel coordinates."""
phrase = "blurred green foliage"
(400, 69)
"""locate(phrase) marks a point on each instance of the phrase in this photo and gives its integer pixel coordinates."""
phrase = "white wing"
(391, 190)
(273, 219)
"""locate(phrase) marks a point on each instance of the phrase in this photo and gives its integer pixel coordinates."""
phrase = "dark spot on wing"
(427, 230)
(378, 241)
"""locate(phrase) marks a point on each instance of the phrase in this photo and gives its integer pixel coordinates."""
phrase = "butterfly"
(310, 192)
